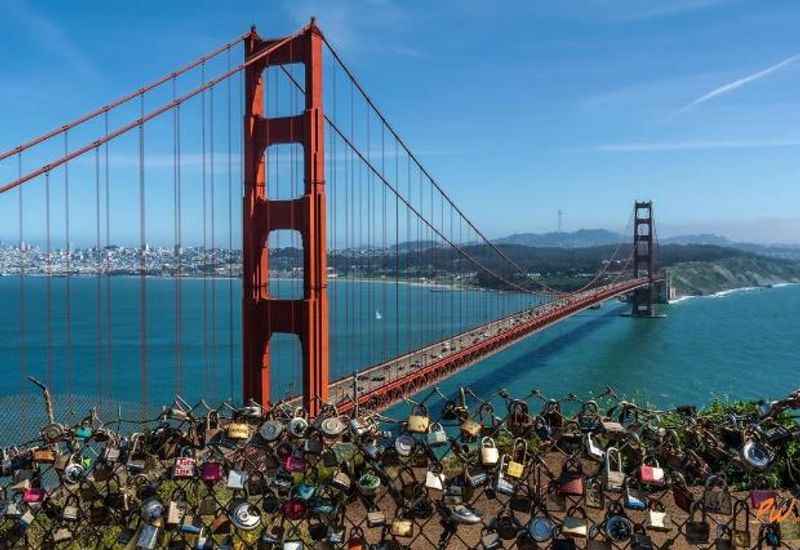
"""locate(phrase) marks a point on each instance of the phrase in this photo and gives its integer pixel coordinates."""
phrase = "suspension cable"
(121, 101)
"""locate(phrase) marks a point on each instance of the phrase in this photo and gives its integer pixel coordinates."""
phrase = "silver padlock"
(148, 537)
(236, 479)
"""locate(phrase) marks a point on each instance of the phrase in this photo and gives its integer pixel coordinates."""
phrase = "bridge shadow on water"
(499, 376)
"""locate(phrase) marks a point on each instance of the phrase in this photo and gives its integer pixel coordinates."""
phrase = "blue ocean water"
(743, 344)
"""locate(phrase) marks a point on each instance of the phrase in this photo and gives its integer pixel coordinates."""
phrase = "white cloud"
(731, 86)
(51, 37)
(643, 147)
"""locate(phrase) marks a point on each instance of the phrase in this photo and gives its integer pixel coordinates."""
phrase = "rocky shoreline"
(709, 278)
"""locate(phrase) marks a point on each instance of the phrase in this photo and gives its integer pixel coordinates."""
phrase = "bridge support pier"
(644, 299)
(263, 314)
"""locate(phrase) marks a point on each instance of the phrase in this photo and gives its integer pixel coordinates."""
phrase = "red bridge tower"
(264, 315)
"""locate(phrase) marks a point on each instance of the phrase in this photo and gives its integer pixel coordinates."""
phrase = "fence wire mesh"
(511, 472)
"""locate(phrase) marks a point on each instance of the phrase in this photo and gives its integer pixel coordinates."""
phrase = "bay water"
(739, 344)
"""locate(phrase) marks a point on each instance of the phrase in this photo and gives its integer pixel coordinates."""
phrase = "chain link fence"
(464, 472)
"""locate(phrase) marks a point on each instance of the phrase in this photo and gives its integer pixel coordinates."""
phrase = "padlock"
(70, 510)
(26, 519)
(341, 481)
(244, 515)
(418, 420)
(490, 540)
(368, 484)
(175, 511)
(741, 534)
(184, 467)
(575, 523)
(697, 531)
(635, 498)
(270, 430)
(571, 478)
(519, 456)
(474, 479)
(298, 424)
(33, 495)
(238, 431)
(111, 453)
(657, 518)
(641, 540)
(615, 477)
(757, 455)
(212, 428)
(402, 528)
(592, 449)
(136, 458)
(44, 456)
(716, 498)
(62, 534)
(618, 528)
(724, 540)
(151, 509)
(376, 518)
(356, 540)
(332, 426)
(236, 479)
(502, 484)
(313, 443)
(541, 528)
(84, 431)
(489, 453)
(595, 495)
(148, 537)
(52, 432)
(436, 436)
(470, 428)
(506, 526)
(652, 474)
(211, 472)
(434, 478)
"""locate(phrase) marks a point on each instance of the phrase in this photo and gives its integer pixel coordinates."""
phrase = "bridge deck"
(382, 385)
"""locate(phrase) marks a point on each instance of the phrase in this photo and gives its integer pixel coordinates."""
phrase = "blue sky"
(519, 108)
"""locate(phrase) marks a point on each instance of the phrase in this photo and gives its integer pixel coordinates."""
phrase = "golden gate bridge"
(317, 167)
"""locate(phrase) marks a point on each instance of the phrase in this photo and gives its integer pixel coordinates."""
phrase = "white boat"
(378, 315)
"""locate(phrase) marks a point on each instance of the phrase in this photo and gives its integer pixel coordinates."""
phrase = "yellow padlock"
(237, 430)
(519, 456)
(515, 469)
(470, 428)
(418, 420)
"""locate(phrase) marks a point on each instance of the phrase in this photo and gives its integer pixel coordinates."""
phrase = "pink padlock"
(33, 495)
(294, 463)
(211, 471)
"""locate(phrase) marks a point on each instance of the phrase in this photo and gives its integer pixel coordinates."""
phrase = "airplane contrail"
(724, 89)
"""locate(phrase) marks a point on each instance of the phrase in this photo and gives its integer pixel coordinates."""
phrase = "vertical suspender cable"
(48, 282)
(68, 363)
(143, 382)
(23, 349)
(397, 249)
(213, 266)
(204, 256)
(98, 370)
(177, 252)
(230, 235)
(384, 223)
(109, 334)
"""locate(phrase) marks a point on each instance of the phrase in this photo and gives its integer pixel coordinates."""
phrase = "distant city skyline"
(518, 110)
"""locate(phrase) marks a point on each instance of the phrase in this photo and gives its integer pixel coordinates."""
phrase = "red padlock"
(356, 540)
(33, 495)
(294, 509)
(211, 472)
(651, 474)
(294, 463)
